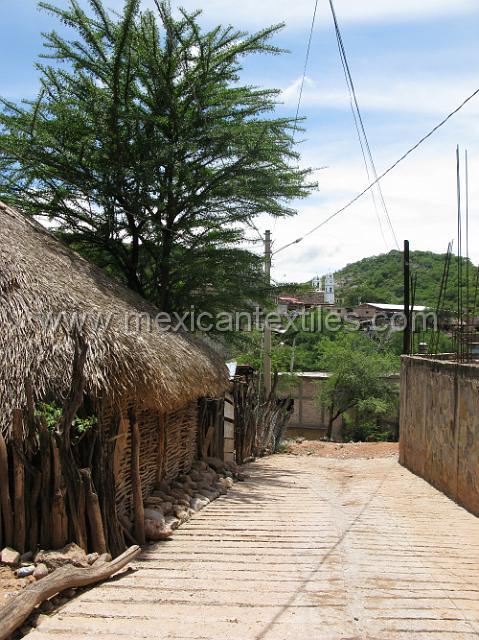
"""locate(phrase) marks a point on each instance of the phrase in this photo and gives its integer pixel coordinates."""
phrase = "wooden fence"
(259, 422)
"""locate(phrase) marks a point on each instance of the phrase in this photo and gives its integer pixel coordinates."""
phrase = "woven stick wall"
(181, 438)
(181, 432)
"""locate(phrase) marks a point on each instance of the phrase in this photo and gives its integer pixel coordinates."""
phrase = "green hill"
(380, 279)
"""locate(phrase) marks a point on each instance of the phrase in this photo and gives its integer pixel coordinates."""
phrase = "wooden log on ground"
(19, 608)
(5, 502)
(138, 509)
(18, 482)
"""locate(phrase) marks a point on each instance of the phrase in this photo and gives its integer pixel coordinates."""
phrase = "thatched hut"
(135, 375)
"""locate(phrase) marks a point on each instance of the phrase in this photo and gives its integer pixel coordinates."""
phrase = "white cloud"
(299, 13)
(421, 198)
(429, 95)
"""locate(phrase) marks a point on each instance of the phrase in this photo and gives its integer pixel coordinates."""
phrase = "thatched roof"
(42, 282)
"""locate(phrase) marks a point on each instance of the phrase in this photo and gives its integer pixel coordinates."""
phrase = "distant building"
(317, 283)
(370, 309)
(313, 299)
(301, 302)
(378, 313)
(287, 304)
(329, 289)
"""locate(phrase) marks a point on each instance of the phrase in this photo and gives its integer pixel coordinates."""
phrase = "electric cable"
(384, 174)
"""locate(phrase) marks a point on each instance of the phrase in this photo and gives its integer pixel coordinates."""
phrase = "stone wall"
(439, 426)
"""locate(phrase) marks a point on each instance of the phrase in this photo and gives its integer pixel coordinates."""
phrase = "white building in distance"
(329, 297)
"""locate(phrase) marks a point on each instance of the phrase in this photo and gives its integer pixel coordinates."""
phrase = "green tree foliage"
(357, 382)
(380, 279)
(149, 154)
(52, 413)
(300, 344)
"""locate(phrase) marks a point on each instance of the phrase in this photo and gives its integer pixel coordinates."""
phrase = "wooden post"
(18, 482)
(105, 479)
(94, 514)
(139, 512)
(267, 328)
(69, 467)
(45, 507)
(58, 527)
(160, 464)
(5, 503)
(35, 489)
(407, 301)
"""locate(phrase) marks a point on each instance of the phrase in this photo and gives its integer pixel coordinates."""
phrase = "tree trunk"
(329, 433)
(133, 256)
(165, 272)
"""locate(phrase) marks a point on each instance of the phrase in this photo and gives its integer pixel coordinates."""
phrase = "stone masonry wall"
(439, 426)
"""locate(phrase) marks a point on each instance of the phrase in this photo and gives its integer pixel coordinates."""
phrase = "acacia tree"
(148, 153)
(357, 371)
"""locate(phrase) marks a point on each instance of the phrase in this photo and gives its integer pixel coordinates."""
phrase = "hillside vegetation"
(380, 279)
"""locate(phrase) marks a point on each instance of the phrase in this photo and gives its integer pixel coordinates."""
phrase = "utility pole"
(267, 328)
(407, 301)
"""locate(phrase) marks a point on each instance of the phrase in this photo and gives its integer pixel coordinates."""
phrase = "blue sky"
(412, 62)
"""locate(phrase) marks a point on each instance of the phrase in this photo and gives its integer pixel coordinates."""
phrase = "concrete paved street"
(307, 548)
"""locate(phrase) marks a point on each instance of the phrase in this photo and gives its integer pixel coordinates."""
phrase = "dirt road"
(307, 548)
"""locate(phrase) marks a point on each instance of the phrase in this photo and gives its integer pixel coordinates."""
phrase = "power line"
(360, 128)
(383, 175)
(305, 69)
(363, 153)
(303, 80)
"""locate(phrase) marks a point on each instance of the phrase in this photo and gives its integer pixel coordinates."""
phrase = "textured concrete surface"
(440, 426)
(308, 548)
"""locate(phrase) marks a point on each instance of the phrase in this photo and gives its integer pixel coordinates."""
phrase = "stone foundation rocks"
(170, 505)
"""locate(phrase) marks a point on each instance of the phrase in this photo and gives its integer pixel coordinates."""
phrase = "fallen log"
(14, 614)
